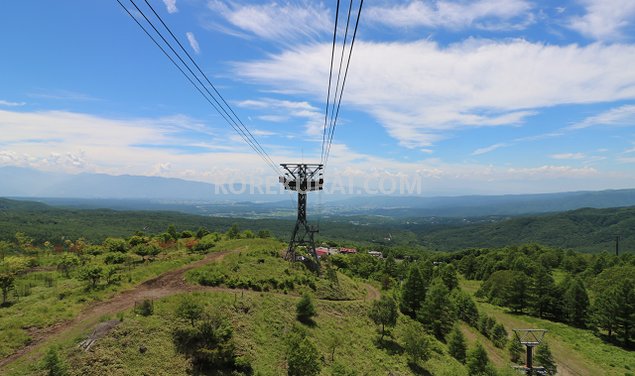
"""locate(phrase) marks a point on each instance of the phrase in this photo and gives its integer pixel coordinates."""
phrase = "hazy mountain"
(157, 193)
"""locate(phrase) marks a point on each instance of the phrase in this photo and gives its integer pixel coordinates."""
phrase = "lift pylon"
(302, 178)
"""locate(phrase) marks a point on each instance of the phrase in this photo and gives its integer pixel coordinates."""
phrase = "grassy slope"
(259, 336)
(577, 351)
(44, 307)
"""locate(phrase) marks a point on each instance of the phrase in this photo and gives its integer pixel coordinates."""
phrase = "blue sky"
(484, 96)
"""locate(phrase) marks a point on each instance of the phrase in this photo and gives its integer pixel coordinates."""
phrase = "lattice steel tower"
(303, 178)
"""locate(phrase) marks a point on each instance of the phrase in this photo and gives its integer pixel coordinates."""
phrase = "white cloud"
(193, 42)
(568, 156)
(170, 5)
(283, 110)
(604, 19)
(86, 143)
(451, 14)
(489, 148)
(278, 21)
(422, 92)
(11, 104)
(620, 116)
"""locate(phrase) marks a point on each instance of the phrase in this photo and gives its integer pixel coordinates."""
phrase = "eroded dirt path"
(168, 283)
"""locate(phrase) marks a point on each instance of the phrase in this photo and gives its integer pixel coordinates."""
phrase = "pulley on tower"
(302, 178)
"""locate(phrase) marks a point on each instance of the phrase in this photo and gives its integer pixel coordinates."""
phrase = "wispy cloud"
(568, 156)
(620, 116)
(11, 104)
(278, 21)
(61, 94)
(489, 14)
(282, 110)
(422, 92)
(170, 5)
(193, 42)
(489, 148)
(605, 19)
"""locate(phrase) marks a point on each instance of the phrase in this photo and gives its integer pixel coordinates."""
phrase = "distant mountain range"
(156, 193)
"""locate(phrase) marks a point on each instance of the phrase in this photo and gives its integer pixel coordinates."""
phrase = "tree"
(7, 283)
(465, 307)
(24, 241)
(264, 234)
(384, 312)
(437, 312)
(53, 364)
(333, 342)
(66, 263)
(305, 310)
(415, 342)
(499, 336)
(545, 359)
(516, 295)
(456, 344)
(92, 274)
(546, 299)
(202, 231)
(614, 303)
(515, 350)
(146, 250)
(233, 232)
(478, 362)
(171, 230)
(448, 274)
(5, 246)
(115, 245)
(413, 292)
(576, 303)
(189, 309)
(625, 315)
(302, 357)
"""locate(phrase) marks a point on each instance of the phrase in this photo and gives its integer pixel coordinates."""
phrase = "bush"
(209, 345)
(146, 308)
(114, 258)
(305, 310)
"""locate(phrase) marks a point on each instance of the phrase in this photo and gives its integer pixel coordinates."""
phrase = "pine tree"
(305, 310)
(437, 312)
(516, 295)
(456, 344)
(499, 336)
(53, 364)
(465, 307)
(545, 299)
(576, 303)
(625, 315)
(515, 350)
(545, 359)
(413, 292)
(478, 362)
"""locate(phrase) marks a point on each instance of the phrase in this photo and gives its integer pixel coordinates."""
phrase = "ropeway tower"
(302, 178)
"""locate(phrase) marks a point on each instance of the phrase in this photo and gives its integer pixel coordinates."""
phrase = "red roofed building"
(321, 251)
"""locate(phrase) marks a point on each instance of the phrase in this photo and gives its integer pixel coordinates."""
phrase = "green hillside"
(584, 230)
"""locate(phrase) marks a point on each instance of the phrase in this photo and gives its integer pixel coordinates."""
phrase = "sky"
(463, 97)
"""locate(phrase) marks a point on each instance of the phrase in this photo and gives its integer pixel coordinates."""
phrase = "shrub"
(146, 308)
(305, 310)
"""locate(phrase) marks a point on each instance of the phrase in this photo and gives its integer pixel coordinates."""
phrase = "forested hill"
(585, 230)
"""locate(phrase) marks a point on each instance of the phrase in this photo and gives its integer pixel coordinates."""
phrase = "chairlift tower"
(302, 178)
(530, 338)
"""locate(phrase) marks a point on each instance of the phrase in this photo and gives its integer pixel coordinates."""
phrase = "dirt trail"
(169, 283)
